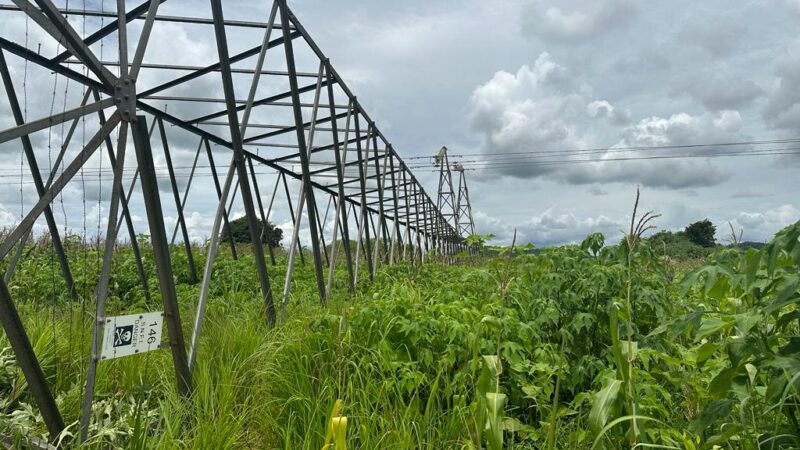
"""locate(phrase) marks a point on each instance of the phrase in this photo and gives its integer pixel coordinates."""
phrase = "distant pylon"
(446, 201)
(464, 222)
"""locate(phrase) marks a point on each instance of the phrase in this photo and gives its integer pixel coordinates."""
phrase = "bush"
(702, 233)
(678, 246)
(240, 232)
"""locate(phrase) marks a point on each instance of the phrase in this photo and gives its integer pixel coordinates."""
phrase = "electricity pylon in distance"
(464, 222)
(446, 200)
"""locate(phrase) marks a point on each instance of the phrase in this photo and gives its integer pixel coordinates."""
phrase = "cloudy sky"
(491, 79)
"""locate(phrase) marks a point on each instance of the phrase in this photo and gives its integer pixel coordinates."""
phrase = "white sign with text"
(131, 334)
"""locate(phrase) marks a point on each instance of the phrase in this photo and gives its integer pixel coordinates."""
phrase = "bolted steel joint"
(125, 98)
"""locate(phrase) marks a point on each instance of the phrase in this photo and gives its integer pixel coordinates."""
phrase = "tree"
(677, 245)
(702, 233)
(271, 236)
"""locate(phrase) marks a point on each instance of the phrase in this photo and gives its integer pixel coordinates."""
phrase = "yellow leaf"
(339, 432)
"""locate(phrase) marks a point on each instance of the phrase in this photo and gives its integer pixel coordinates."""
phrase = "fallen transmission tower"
(305, 125)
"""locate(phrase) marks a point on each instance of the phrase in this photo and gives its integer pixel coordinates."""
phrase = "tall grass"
(598, 348)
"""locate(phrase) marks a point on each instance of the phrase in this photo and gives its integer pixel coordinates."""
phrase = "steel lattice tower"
(446, 199)
(464, 222)
(271, 103)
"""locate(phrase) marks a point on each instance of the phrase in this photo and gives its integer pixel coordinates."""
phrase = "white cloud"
(7, 218)
(527, 110)
(599, 108)
(198, 225)
(728, 121)
(682, 128)
(505, 103)
(678, 129)
(604, 109)
(549, 228)
(761, 226)
(541, 108)
(487, 224)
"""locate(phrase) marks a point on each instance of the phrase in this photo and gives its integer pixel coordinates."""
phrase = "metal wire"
(539, 162)
(569, 151)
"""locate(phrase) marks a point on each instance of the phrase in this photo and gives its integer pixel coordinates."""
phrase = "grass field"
(581, 346)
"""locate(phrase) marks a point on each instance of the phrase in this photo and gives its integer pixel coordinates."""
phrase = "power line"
(474, 164)
(535, 162)
(129, 177)
(687, 155)
(507, 157)
(620, 149)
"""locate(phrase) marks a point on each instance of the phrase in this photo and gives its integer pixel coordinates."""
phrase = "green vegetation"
(677, 246)
(576, 347)
(695, 243)
(270, 235)
(701, 233)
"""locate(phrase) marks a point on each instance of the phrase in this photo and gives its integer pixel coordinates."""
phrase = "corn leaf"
(605, 404)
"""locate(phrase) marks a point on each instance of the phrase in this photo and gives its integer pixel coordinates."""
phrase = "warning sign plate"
(131, 334)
